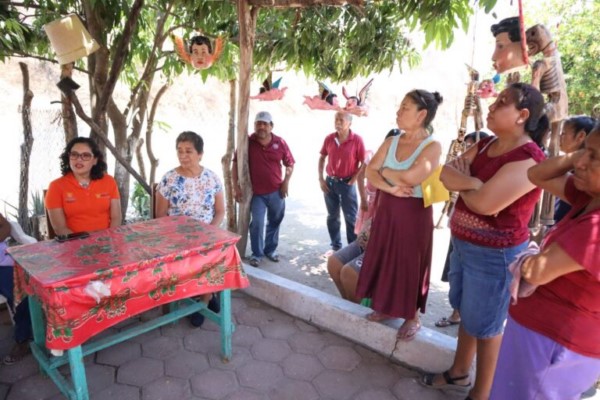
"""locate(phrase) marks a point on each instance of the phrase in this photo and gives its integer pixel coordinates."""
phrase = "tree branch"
(150, 129)
(120, 56)
(27, 55)
(303, 3)
(26, 147)
(22, 4)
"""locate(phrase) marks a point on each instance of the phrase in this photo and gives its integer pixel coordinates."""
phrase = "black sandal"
(450, 382)
(17, 352)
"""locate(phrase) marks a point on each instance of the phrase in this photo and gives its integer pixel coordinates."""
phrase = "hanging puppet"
(487, 87)
(199, 53)
(547, 73)
(270, 91)
(508, 54)
(325, 100)
(357, 104)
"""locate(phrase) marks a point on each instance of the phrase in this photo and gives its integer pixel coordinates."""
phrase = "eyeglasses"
(83, 156)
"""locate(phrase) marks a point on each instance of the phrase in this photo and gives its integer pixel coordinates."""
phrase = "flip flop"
(408, 331)
(377, 317)
(446, 322)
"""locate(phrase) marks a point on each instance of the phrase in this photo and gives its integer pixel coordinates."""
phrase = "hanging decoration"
(199, 53)
(325, 100)
(357, 104)
(270, 91)
(547, 72)
(69, 39)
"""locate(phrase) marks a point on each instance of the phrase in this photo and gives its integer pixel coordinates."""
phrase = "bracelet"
(381, 170)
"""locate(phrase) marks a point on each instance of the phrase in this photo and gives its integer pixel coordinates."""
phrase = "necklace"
(84, 185)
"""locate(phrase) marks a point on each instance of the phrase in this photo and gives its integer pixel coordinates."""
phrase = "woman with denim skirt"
(489, 228)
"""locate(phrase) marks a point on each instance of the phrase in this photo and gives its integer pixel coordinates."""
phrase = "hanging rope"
(523, 37)
(476, 13)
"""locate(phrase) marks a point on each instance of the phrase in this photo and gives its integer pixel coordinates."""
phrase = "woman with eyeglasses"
(85, 198)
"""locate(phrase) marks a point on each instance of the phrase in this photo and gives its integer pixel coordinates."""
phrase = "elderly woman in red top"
(551, 346)
(85, 198)
(489, 228)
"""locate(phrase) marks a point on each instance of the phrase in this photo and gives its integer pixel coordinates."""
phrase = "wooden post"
(226, 161)
(247, 21)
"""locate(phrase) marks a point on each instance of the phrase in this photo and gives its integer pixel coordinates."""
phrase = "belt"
(336, 179)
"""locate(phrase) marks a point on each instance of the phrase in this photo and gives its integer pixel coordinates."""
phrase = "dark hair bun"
(438, 97)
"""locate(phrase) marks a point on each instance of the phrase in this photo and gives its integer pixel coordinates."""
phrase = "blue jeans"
(344, 195)
(23, 331)
(273, 205)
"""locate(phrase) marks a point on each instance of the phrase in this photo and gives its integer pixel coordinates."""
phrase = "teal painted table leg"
(226, 325)
(78, 373)
(38, 327)
(37, 322)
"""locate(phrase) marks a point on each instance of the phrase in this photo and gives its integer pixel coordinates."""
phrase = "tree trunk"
(98, 66)
(247, 21)
(226, 161)
(25, 149)
(119, 125)
(140, 159)
(149, 129)
(68, 115)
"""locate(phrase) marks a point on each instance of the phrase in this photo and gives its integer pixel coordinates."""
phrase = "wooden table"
(82, 287)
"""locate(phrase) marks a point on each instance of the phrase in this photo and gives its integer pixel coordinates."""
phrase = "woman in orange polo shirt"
(85, 198)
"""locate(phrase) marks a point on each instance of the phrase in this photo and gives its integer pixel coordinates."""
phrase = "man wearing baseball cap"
(267, 153)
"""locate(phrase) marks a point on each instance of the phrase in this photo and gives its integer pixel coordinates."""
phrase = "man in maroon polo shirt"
(345, 154)
(267, 153)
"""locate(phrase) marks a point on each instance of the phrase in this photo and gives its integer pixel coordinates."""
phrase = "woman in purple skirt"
(551, 345)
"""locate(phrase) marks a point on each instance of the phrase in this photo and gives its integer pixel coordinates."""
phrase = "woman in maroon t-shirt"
(551, 347)
(489, 228)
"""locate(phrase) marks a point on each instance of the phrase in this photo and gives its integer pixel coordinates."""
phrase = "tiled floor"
(275, 356)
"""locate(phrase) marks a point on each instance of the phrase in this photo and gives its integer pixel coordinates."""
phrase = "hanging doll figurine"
(325, 100)
(357, 104)
(270, 91)
(201, 54)
(547, 73)
(487, 87)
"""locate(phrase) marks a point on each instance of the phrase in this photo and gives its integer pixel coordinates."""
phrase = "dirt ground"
(304, 247)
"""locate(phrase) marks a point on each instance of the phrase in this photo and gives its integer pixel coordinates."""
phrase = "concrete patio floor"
(275, 356)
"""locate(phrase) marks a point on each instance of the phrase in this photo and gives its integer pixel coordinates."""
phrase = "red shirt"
(343, 160)
(265, 163)
(567, 310)
(510, 226)
(85, 209)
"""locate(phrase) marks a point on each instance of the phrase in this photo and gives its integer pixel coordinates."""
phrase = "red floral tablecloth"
(88, 285)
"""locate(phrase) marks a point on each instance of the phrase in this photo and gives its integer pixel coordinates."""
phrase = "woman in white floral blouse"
(191, 189)
(194, 191)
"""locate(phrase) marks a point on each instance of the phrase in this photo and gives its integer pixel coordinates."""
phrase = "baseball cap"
(264, 116)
